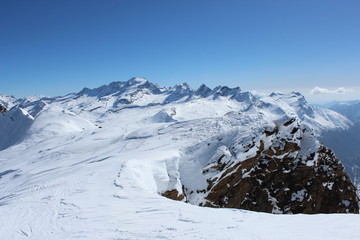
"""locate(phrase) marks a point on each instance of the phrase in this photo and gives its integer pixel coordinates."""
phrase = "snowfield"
(81, 168)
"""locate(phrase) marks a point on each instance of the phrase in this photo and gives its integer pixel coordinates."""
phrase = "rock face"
(174, 195)
(267, 183)
(2, 109)
(289, 172)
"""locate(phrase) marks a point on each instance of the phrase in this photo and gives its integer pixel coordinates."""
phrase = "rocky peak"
(179, 92)
(203, 91)
(136, 81)
(183, 87)
(270, 182)
(297, 101)
(132, 86)
(150, 87)
(281, 168)
(224, 91)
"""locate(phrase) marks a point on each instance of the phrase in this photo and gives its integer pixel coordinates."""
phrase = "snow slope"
(345, 143)
(7, 101)
(93, 166)
(350, 109)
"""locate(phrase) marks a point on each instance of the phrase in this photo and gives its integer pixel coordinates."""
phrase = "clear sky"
(56, 47)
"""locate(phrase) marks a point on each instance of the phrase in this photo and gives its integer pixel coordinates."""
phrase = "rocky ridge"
(283, 176)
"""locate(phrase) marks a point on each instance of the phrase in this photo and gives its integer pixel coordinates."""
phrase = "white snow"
(299, 195)
(85, 170)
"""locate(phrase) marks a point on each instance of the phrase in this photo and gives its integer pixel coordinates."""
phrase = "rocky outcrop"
(174, 195)
(286, 171)
(2, 109)
(267, 183)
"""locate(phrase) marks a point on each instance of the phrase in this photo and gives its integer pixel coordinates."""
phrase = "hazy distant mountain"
(346, 143)
(350, 109)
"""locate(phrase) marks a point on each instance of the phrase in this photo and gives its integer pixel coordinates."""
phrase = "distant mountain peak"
(119, 87)
(137, 80)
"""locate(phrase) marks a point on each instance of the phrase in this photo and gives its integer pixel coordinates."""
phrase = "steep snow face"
(13, 126)
(86, 167)
(294, 104)
(7, 102)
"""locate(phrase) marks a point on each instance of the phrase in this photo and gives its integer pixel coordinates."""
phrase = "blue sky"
(56, 47)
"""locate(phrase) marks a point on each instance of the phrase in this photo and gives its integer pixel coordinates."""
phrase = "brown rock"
(174, 195)
(267, 183)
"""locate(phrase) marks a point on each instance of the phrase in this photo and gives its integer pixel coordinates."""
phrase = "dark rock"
(2, 109)
(287, 170)
(274, 184)
(203, 91)
(174, 195)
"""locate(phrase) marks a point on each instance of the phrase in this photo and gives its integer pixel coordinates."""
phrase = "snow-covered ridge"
(7, 102)
(178, 103)
(91, 104)
(263, 166)
(139, 92)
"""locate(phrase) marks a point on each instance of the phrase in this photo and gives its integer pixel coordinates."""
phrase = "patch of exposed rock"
(2, 109)
(286, 171)
(267, 183)
(174, 195)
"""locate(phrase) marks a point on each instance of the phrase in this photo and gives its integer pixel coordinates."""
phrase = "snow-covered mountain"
(6, 102)
(97, 163)
(346, 142)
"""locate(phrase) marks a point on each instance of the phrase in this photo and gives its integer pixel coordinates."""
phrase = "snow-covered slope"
(94, 164)
(13, 126)
(319, 119)
(350, 109)
(346, 142)
(276, 167)
(7, 102)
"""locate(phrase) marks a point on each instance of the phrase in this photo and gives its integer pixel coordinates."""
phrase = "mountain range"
(99, 163)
